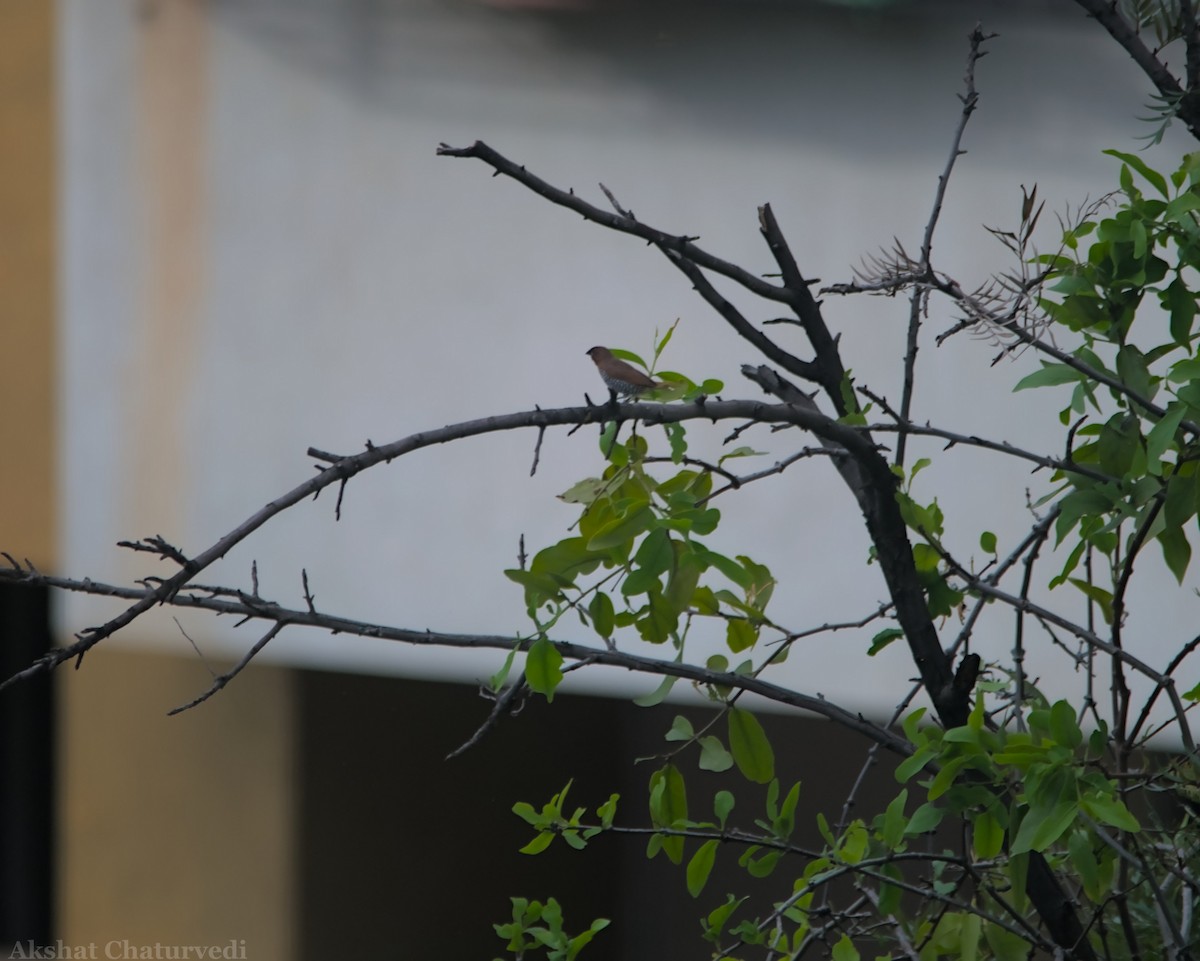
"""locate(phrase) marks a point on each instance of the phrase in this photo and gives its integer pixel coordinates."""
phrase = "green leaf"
(894, 821)
(1102, 598)
(681, 729)
(684, 577)
(845, 950)
(1153, 177)
(1118, 444)
(1184, 371)
(578, 942)
(916, 763)
(666, 339)
(622, 531)
(668, 805)
(762, 867)
(677, 438)
(700, 867)
(1042, 826)
(539, 588)
(1064, 728)
(723, 802)
(854, 843)
(1005, 945)
(1110, 811)
(607, 811)
(1162, 435)
(1049, 376)
(751, 750)
(567, 559)
(601, 611)
(543, 668)
(719, 917)
(730, 568)
(1183, 496)
(987, 542)
(741, 452)
(527, 812)
(496, 681)
(987, 835)
(1181, 303)
(883, 639)
(655, 554)
(539, 843)
(658, 695)
(640, 581)
(740, 634)
(656, 623)
(1177, 551)
(1083, 858)
(585, 491)
(713, 756)
(925, 818)
(1131, 368)
(630, 356)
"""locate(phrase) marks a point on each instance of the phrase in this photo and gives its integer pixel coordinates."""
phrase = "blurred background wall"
(227, 237)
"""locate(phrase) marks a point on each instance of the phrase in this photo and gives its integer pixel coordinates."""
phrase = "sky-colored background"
(263, 253)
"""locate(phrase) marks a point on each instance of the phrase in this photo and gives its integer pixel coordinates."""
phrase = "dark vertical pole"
(26, 771)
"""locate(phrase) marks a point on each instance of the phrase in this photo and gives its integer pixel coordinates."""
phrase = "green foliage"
(638, 562)
(537, 927)
(1025, 778)
(1135, 400)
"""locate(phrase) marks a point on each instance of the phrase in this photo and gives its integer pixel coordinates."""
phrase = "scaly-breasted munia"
(621, 378)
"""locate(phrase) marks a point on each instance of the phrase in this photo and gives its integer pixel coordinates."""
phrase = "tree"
(1061, 832)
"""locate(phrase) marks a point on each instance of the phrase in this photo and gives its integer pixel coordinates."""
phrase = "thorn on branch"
(309, 599)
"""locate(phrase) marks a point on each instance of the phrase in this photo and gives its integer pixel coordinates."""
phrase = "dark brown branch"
(734, 317)
(1090, 638)
(257, 609)
(679, 244)
(873, 484)
(1191, 41)
(341, 470)
(1186, 651)
(954, 439)
(1106, 13)
(1120, 689)
(507, 702)
(829, 370)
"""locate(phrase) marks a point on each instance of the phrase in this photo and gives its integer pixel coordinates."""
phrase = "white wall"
(263, 253)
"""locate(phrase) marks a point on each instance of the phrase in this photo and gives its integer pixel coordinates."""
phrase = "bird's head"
(600, 353)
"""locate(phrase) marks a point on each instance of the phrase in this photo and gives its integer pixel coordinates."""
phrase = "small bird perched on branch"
(621, 378)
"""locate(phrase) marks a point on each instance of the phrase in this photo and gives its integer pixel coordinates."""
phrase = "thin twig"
(920, 294)
(220, 681)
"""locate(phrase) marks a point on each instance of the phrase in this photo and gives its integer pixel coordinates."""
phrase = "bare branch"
(1106, 13)
(677, 243)
(249, 608)
(920, 293)
(340, 470)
